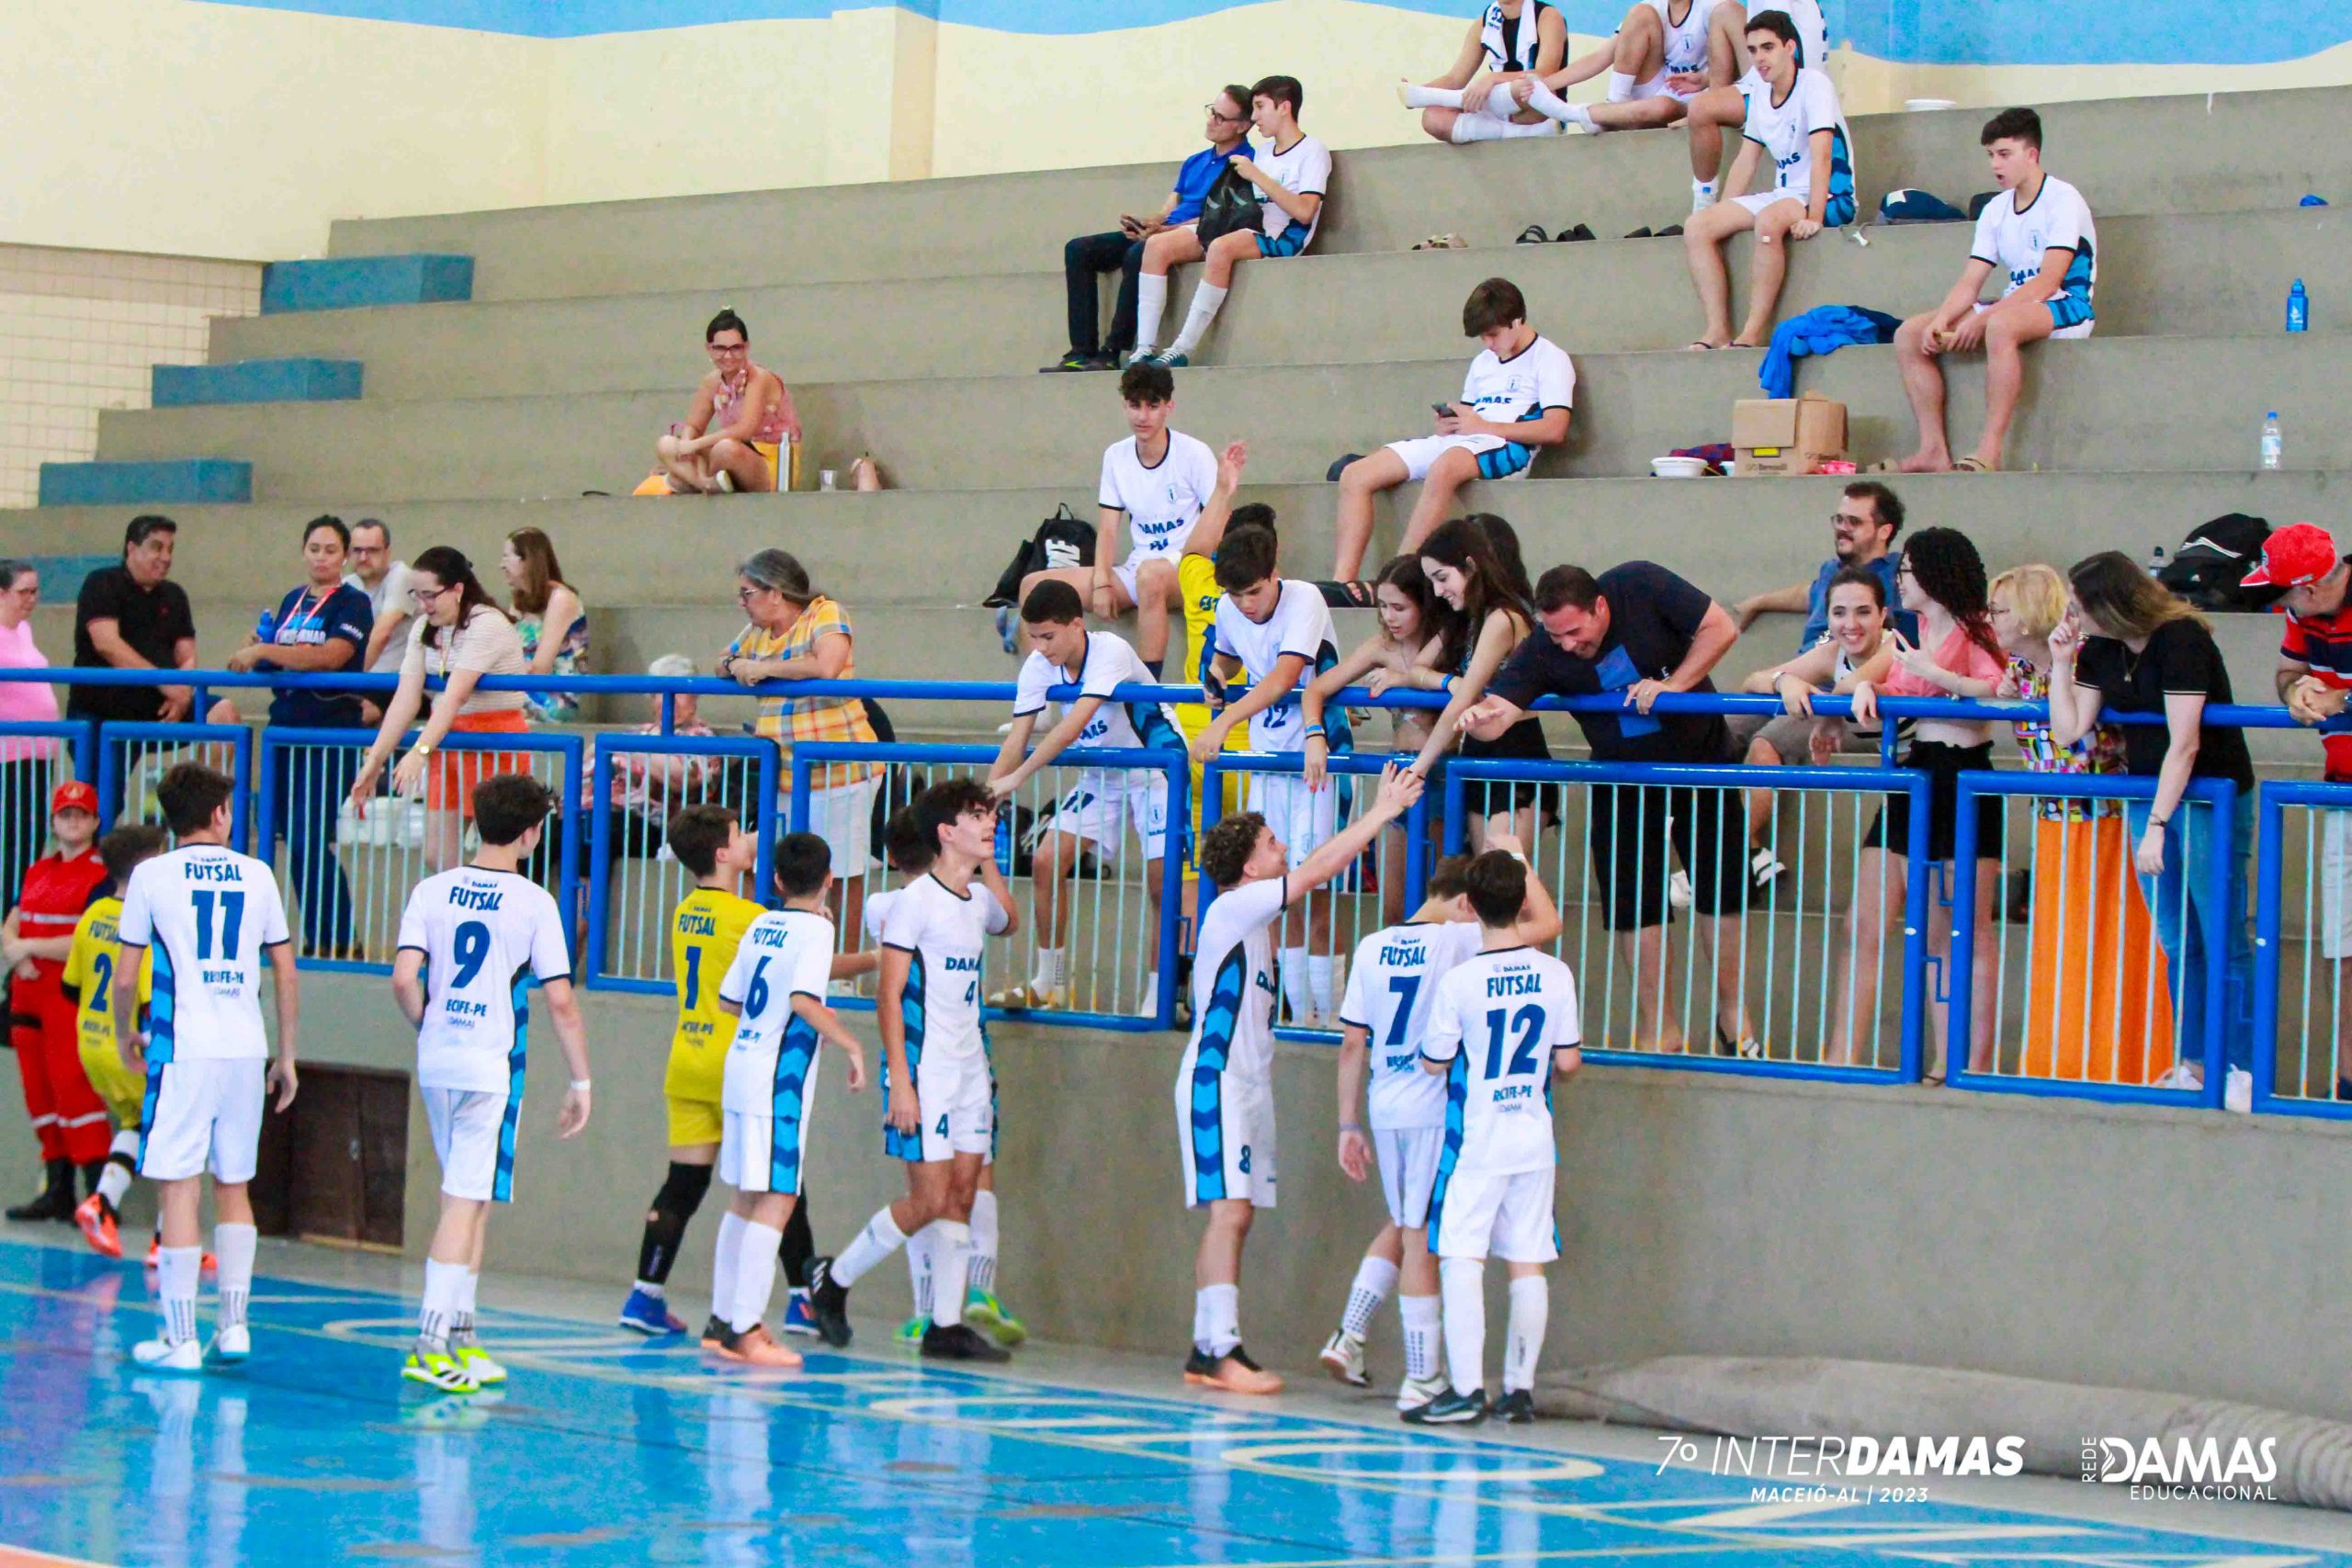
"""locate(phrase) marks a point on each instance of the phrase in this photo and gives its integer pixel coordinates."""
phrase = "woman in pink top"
(742, 418)
(1941, 581)
(25, 764)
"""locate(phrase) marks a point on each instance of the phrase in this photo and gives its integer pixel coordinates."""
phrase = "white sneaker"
(234, 1342)
(2181, 1075)
(169, 1356)
(1414, 1393)
(2237, 1091)
(1677, 892)
(1764, 867)
(1342, 1357)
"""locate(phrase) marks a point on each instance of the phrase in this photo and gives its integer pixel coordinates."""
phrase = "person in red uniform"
(34, 941)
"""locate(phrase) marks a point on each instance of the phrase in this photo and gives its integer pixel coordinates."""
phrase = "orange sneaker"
(755, 1348)
(1234, 1372)
(211, 1265)
(95, 1216)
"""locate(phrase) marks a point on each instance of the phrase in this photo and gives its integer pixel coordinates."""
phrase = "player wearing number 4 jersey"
(470, 941)
(209, 915)
(1505, 1022)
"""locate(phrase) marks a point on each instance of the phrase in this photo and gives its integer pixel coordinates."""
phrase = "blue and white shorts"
(202, 1113)
(1498, 459)
(2069, 317)
(1408, 1157)
(1224, 1127)
(956, 1097)
(473, 1137)
(1289, 243)
(1837, 214)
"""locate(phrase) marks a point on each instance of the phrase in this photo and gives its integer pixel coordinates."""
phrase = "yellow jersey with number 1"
(704, 935)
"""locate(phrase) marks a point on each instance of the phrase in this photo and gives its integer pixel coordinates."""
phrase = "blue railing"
(119, 742)
(2269, 921)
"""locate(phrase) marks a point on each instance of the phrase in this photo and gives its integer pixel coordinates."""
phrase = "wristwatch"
(421, 748)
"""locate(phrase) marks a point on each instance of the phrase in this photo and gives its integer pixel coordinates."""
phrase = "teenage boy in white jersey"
(2036, 231)
(1516, 397)
(1793, 120)
(1275, 633)
(1392, 984)
(774, 988)
(1225, 1090)
(1159, 480)
(1504, 1024)
(1292, 178)
(467, 939)
(941, 1111)
(1511, 40)
(209, 914)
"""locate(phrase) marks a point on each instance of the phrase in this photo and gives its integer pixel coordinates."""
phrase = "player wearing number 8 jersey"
(470, 941)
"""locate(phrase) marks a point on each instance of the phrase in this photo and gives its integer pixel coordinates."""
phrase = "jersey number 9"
(470, 948)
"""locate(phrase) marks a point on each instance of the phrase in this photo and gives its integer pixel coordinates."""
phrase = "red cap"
(2297, 554)
(73, 796)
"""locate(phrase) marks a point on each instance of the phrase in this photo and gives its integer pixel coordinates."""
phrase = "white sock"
(755, 1254)
(1376, 1277)
(1420, 1318)
(880, 1238)
(919, 1268)
(1420, 97)
(1217, 1312)
(176, 1268)
(1703, 195)
(1480, 128)
(722, 1263)
(1049, 970)
(1151, 991)
(468, 1288)
(1319, 981)
(951, 1271)
(1295, 992)
(1621, 87)
(122, 1159)
(1462, 1286)
(1151, 303)
(1530, 1306)
(983, 1270)
(647, 1287)
(443, 1283)
(1208, 301)
(233, 1247)
(1543, 100)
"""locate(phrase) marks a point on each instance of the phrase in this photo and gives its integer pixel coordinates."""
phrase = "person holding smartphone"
(1090, 255)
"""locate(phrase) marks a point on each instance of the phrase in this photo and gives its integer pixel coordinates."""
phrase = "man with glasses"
(385, 581)
(1089, 255)
(734, 437)
(1861, 533)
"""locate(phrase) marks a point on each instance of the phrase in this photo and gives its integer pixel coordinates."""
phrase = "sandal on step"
(1970, 466)
(1533, 235)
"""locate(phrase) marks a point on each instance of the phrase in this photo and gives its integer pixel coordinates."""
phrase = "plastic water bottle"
(2157, 561)
(2273, 446)
(2299, 308)
(1004, 842)
(266, 628)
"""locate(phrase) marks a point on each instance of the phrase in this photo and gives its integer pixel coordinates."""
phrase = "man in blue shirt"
(1090, 255)
(1862, 532)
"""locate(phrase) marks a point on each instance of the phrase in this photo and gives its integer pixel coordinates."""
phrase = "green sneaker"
(439, 1370)
(982, 1310)
(909, 1333)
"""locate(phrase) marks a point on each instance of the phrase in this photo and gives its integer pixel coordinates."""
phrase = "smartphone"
(1443, 409)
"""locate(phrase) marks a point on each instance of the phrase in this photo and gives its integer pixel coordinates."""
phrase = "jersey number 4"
(1529, 1024)
(231, 907)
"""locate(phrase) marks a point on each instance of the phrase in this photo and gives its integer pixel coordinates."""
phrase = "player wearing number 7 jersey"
(207, 914)
(469, 942)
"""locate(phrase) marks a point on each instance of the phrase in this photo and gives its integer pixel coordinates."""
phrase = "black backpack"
(2212, 563)
(1060, 541)
(1232, 203)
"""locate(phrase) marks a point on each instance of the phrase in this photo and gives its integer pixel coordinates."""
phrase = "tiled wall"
(78, 331)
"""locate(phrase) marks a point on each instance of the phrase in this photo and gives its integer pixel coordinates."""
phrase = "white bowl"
(1927, 105)
(1678, 468)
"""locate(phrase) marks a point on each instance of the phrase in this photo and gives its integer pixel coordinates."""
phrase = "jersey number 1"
(232, 920)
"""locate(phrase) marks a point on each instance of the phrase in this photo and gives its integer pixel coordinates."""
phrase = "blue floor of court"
(605, 1450)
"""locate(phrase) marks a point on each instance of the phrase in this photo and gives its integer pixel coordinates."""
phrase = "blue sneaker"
(797, 1318)
(649, 1315)
(1174, 361)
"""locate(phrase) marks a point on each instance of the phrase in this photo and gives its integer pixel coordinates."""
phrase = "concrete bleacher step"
(2197, 275)
(157, 482)
(338, 283)
(2225, 152)
(288, 379)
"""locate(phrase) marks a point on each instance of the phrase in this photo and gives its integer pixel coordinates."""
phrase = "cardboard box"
(1787, 435)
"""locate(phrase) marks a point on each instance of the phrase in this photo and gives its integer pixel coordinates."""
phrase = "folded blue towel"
(1823, 330)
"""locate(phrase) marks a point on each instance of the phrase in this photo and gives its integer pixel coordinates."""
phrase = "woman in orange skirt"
(2099, 1004)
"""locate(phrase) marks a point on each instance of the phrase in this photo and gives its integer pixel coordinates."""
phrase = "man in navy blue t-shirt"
(1090, 255)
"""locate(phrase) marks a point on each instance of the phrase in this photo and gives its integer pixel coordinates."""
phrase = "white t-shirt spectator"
(1301, 624)
(1163, 500)
(1785, 129)
(488, 642)
(1306, 168)
(1528, 385)
(388, 597)
(2057, 220)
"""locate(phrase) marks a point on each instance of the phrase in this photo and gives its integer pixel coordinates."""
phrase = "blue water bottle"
(2299, 308)
(266, 628)
(1004, 841)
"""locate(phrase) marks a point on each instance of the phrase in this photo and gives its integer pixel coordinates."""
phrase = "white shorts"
(844, 817)
(1125, 573)
(1656, 88)
(2334, 916)
(1508, 1217)
(201, 1115)
(1102, 803)
(1421, 453)
(1301, 817)
(1408, 1170)
(2078, 330)
(956, 1097)
(1225, 1129)
(759, 1153)
(473, 1137)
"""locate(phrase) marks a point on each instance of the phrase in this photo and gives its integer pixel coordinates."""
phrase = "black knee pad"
(682, 1191)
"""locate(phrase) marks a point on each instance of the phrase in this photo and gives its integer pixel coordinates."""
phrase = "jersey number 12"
(1529, 1024)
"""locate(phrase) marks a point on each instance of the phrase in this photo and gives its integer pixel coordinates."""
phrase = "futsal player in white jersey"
(1504, 1024)
(468, 939)
(775, 988)
(941, 1111)
(1510, 41)
(1225, 1091)
(209, 915)
(1515, 398)
(1275, 633)
(2037, 235)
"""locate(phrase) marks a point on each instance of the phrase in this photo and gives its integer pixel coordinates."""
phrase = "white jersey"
(1301, 624)
(1305, 169)
(1109, 663)
(1498, 1018)
(785, 953)
(481, 933)
(2058, 219)
(1528, 385)
(1162, 499)
(945, 932)
(1785, 132)
(1511, 44)
(1233, 984)
(207, 912)
(1392, 986)
(1686, 44)
(877, 912)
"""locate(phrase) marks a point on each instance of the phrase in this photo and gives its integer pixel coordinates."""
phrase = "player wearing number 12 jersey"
(470, 941)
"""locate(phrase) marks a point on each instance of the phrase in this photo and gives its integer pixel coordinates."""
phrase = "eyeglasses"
(749, 592)
(727, 348)
(426, 595)
(1902, 568)
(1217, 114)
(1847, 519)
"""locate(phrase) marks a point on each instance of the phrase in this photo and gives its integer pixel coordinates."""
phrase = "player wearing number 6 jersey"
(471, 940)
(1505, 1022)
(207, 914)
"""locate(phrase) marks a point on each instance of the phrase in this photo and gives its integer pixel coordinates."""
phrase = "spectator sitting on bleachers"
(1510, 41)
(549, 619)
(1793, 120)
(2037, 229)
(1090, 255)
(1862, 532)
(132, 617)
(1516, 397)
(735, 436)
(1292, 178)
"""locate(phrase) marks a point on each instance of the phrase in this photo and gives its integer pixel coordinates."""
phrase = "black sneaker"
(1517, 1406)
(959, 1342)
(713, 1333)
(1450, 1409)
(1069, 362)
(829, 1302)
(1199, 1365)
